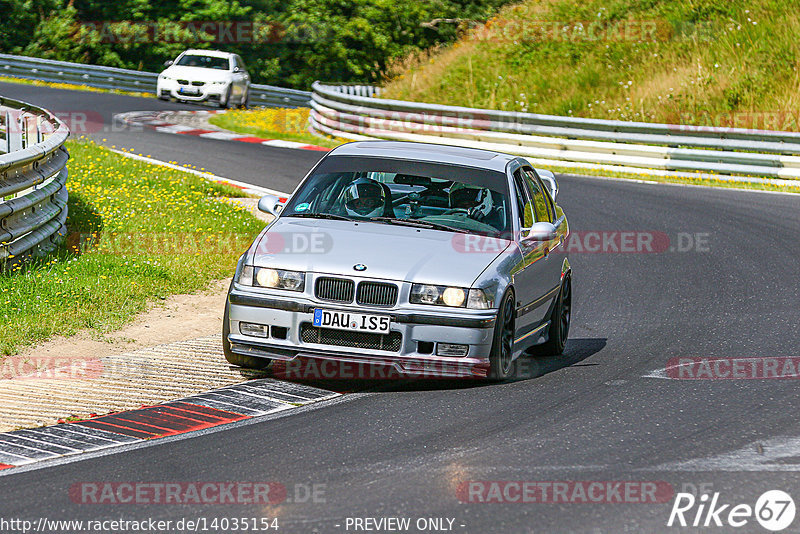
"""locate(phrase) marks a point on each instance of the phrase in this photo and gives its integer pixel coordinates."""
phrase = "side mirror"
(541, 231)
(270, 204)
(168, 63)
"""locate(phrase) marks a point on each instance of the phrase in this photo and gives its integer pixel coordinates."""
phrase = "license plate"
(188, 92)
(358, 322)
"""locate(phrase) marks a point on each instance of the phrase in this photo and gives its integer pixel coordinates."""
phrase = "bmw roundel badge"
(360, 267)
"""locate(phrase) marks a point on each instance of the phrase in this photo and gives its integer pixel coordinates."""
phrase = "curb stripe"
(14, 460)
(195, 132)
(215, 408)
(103, 437)
(152, 120)
(257, 140)
(116, 429)
(28, 443)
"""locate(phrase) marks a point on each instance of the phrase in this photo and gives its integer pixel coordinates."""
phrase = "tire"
(501, 365)
(227, 103)
(560, 319)
(239, 360)
(245, 100)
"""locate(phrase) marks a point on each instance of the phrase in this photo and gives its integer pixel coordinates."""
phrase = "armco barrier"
(33, 175)
(357, 114)
(47, 70)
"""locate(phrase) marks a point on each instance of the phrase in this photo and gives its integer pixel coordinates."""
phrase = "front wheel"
(501, 364)
(226, 102)
(239, 360)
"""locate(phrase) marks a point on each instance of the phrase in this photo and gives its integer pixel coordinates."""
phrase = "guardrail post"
(7, 122)
(13, 133)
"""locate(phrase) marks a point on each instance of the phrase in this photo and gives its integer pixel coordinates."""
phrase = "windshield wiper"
(418, 224)
(329, 216)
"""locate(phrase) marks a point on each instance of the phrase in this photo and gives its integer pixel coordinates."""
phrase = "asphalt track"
(404, 449)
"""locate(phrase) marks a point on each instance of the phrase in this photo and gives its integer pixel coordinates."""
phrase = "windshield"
(205, 62)
(437, 196)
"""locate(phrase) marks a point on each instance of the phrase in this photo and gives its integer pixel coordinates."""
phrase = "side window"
(524, 206)
(540, 204)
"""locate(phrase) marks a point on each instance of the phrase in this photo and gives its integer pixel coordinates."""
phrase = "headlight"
(246, 276)
(217, 83)
(272, 278)
(478, 300)
(454, 297)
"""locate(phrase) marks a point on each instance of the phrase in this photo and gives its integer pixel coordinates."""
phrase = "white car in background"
(220, 78)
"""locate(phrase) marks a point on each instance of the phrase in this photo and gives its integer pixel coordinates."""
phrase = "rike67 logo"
(774, 510)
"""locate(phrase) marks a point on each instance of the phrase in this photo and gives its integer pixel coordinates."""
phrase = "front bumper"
(420, 334)
(193, 93)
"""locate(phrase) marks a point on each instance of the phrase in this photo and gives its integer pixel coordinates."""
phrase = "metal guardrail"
(46, 70)
(33, 176)
(356, 114)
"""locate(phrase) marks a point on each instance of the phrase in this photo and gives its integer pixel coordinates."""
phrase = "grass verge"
(274, 123)
(73, 87)
(726, 63)
(137, 232)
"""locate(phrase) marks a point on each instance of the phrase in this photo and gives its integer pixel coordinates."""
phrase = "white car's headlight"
(218, 83)
(272, 278)
(164, 77)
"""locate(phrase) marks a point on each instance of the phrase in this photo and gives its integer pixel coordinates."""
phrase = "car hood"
(197, 74)
(389, 252)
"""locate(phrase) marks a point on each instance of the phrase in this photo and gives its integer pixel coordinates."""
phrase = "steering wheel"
(457, 211)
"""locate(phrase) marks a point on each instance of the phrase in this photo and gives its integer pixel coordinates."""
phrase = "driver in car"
(364, 198)
(473, 200)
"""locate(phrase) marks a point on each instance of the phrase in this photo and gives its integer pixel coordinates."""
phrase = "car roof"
(426, 152)
(212, 53)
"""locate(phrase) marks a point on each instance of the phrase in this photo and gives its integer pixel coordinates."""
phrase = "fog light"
(255, 330)
(449, 349)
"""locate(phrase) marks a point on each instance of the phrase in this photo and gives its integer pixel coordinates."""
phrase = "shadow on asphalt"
(528, 367)
(577, 350)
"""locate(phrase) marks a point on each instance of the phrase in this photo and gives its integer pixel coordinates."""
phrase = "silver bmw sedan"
(424, 258)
